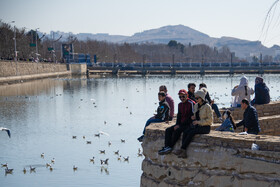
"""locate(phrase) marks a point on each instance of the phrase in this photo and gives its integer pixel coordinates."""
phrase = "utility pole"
(36, 45)
(15, 35)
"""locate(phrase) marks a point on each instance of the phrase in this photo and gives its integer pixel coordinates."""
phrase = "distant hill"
(184, 35)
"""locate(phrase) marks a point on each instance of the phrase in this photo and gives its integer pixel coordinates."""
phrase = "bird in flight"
(7, 130)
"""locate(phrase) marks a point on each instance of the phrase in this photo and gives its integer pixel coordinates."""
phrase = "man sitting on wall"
(169, 100)
(261, 92)
(250, 118)
(173, 133)
(191, 90)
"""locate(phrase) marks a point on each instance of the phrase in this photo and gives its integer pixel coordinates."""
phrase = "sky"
(242, 19)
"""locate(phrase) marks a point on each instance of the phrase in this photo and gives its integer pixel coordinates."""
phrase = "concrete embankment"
(218, 158)
(21, 71)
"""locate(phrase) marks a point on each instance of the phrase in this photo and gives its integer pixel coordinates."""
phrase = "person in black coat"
(250, 118)
(261, 92)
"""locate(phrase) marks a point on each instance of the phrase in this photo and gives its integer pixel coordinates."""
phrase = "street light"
(36, 44)
(15, 41)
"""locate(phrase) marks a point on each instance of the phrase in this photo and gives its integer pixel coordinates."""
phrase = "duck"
(7, 130)
(102, 151)
(75, 168)
(8, 171)
(122, 141)
(32, 168)
(92, 159)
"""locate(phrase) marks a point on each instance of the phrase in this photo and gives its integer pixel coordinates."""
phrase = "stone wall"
(215, 159)
(8, 69)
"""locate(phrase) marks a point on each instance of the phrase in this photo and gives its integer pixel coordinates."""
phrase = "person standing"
(262, 95)
(161, 116)
(173, 133)
(241, 91)
(169, 100)
(191, 90)
(203, 119)
(250, 118)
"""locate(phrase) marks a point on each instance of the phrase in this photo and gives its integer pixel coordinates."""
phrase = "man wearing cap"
(162, 113)
(173, 133)
(169, 100)
(261, 92)
(203, 119)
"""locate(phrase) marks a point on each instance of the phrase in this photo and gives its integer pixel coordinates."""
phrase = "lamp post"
(36, 44)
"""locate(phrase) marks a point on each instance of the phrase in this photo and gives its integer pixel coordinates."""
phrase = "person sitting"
(169, 100)
(250, 118)
(241, 91)
(191, 90)
(162, 113)
(261, 92)
(228, 124)
(203, 119)
(173, 133)
(211, 102)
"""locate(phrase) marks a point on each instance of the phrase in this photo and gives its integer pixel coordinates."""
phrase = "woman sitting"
(203, 119)
(228, 124)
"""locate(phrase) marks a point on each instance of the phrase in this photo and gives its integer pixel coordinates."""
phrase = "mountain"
(184, 35)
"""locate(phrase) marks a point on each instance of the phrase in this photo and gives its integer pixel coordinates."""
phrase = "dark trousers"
(172, 136)
(152, 120)
(216, 110)
(189, 134)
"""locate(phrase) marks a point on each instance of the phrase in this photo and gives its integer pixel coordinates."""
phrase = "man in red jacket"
(173, 133)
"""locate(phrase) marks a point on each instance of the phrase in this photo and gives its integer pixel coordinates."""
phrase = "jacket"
(170, 102)
(191, 96)
(205, 114)
(163, 111)
(261, 94)
(185, 112)
(250, 120)
(240, 92)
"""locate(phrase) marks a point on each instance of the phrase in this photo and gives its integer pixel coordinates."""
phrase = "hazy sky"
(237, 18)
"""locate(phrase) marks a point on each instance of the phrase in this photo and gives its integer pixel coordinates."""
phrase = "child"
(228, 124)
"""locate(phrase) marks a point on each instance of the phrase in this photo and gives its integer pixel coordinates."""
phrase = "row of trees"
(105, 51)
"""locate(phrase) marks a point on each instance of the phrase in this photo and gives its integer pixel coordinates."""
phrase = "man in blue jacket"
(162, 113)
(250, 118)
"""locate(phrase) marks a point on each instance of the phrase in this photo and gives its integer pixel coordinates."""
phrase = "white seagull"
(7, 130)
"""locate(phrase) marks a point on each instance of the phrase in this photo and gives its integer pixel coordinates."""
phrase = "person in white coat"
(241, 91)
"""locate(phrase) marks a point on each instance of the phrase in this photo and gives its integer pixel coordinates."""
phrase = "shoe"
(165, 150)
(140, 139)
(183, 154)
(178, 151)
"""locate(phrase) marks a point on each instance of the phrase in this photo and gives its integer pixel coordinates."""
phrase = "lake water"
(43, 115)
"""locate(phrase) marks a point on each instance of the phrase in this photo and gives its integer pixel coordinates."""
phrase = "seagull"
(102, 151)
(51, 169)
(119, 158)
(104, 161)
(74, 137)
(119, 124)
(75, 168)
(48, 165)
(140, 154)
(8, 171)
(105, 122)
(109, 143)
(116, 152)
(97, 135)
(84, 137)
(4, 165)
(126, 158)
(104, 133)
(53, 160)
(32, 169)
(7, 130)
(42, 155)
(88, 142)
(24, 170)
(139, 150)
(122, 141)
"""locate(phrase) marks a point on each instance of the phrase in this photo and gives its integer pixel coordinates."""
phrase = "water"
(43, 116)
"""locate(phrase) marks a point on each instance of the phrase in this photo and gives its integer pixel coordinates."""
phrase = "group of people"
(195, 113)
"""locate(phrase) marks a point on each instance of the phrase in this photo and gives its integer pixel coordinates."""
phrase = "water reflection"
(45, 115)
